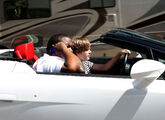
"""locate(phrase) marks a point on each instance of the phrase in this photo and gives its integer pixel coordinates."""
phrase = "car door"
(62, 97)
(78, 97)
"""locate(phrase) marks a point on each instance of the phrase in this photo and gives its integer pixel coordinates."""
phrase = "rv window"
(26, 9)
(101, 3)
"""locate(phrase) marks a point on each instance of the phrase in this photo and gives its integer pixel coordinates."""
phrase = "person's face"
(68, 42)
(85, 55)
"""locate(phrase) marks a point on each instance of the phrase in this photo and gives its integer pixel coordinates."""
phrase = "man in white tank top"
(59, 57)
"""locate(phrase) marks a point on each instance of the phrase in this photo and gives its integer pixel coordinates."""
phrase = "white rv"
(89, 18)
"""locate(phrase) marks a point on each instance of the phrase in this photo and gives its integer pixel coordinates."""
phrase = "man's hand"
(59, 46)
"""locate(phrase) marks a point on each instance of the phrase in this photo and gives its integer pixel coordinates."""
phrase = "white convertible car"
(134, 92)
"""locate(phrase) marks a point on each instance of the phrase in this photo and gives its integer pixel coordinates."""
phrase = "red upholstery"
(25, 51)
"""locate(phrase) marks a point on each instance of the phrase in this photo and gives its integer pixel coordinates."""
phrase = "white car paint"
(35, 96)
(16, 67)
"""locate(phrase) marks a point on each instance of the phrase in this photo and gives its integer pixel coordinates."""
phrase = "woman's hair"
(80, 45)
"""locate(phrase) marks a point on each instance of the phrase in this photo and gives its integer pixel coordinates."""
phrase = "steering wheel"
(122, 70)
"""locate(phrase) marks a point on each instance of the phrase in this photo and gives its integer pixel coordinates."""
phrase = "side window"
(101, 3)
(26, 9)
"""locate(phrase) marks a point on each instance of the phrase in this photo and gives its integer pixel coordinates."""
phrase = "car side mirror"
(145, 71)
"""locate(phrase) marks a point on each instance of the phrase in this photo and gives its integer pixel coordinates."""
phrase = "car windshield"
(134, 34)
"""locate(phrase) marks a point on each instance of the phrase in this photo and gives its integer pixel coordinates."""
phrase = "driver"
(81, 47)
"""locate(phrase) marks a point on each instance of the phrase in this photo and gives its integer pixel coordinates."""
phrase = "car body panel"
(69, 97)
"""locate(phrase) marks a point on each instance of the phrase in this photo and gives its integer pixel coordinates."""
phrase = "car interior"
(25, 50)
(27, 53)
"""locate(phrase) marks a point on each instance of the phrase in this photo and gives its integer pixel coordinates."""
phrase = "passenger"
(81, 47)
(59, 57)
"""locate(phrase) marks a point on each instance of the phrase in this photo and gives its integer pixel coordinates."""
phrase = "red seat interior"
(26, 51)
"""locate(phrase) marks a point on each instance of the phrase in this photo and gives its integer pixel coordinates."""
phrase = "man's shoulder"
(56, 58)
(49, 57)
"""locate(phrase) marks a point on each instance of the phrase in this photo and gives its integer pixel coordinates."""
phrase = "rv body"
(85, 18)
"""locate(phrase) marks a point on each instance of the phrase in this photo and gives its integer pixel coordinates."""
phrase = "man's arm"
(72, 62)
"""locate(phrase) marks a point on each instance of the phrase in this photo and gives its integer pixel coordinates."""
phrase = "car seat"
(26, 51)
